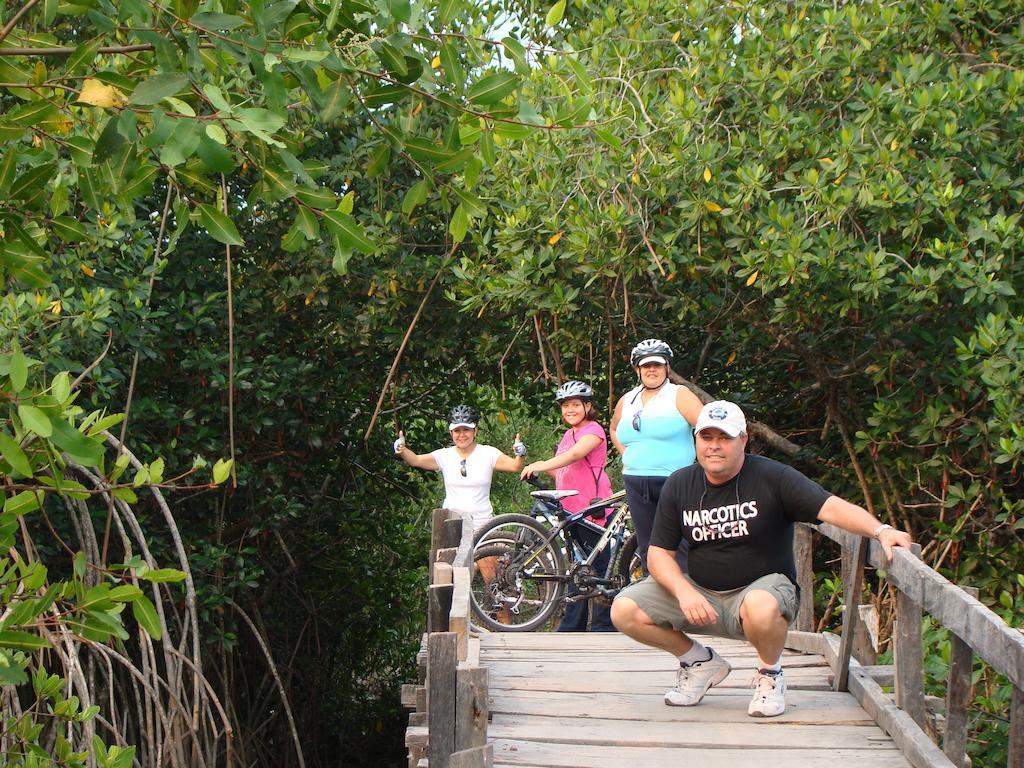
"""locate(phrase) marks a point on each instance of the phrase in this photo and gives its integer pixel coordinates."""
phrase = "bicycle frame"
(562, 523)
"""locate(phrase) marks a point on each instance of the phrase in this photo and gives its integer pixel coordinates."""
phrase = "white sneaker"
(769, 694)
(693, 680)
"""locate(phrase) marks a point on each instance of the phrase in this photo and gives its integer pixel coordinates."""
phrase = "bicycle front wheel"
(518, 577)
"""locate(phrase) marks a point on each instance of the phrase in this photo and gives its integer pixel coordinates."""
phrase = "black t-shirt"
(741, 530)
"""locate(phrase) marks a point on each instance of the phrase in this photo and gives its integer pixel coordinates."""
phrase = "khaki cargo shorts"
(663, 608)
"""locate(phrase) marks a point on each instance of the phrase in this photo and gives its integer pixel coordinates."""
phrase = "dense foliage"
(818, 205)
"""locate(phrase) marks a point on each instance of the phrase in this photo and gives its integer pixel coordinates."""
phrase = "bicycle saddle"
(553, 495)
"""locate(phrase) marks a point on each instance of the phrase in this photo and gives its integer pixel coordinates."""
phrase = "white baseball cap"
(723, 415)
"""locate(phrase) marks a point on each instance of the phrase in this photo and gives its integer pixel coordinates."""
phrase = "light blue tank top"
(664, 442)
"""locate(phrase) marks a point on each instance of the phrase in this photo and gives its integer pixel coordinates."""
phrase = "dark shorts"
(663, 609)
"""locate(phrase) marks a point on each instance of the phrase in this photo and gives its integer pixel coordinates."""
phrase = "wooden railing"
(974, 630)
(449, 724)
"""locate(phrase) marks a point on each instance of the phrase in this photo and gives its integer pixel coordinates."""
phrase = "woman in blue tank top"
(652, 427)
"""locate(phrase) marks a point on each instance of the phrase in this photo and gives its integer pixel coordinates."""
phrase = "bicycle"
(520, 575)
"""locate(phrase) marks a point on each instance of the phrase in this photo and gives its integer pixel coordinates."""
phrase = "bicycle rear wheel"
(518, 578)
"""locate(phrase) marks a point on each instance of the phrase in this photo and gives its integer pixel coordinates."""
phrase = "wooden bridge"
(559, 700)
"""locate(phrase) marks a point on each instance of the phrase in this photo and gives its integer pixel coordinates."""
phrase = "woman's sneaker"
(769, 694)
(693, 680)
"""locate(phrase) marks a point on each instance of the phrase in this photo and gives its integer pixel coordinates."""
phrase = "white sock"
(696, 653)
(773, 668)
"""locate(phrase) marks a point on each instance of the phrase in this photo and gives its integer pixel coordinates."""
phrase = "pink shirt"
(585, 475)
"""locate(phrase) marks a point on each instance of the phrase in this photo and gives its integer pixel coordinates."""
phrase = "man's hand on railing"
(890, 537)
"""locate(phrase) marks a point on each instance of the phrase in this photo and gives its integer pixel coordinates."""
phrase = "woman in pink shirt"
(578, 464)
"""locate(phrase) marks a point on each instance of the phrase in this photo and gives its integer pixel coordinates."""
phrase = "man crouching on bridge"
(737, 513)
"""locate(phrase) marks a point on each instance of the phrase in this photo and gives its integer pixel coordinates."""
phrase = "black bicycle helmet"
(574, 389)
(650, 348)
(463, 416)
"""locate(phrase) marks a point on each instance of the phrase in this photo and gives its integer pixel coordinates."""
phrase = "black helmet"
(574, 389)
(463, 416)
(650, 348)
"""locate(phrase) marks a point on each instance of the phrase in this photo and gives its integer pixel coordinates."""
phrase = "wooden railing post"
(853, 581)
(909, 658)
(441, 697)
(1016, 756)
(803, 554)
(958, 696)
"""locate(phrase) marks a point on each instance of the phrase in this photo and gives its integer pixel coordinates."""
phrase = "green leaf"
(446, 11)
(145, 614)
(32, 113)
(23, 503)
(415, 196)
(218, 225)
(555, 14)
(320, 199)
(349, 232)
(125, 494)
(125, 593)
(83, 55)
(474, 207)
(14, 456)
(8, 169)
(608, 138)
(161, 575)
(517, 53)
(423, 149)
(69, 230)
(18, 371)
(155, 89)
(109, 143)
(336, 98)
(79, 564)
(60, 387)
(459, 224)
(22, 641)
(378, 161)
(35, 420)
(80, 448)
(222, 469)
(216, 22)
(392, 59)
(453, 70)
(492, 88)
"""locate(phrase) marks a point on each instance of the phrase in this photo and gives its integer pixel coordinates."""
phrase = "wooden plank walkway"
(561, 700)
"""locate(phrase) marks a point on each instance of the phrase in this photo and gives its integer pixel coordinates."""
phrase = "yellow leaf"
(802, 14)
(100, 94)
(732, 357)
(825, 160)
(713, 207)
(371, 290)
(553, 240)
(636, 178)
(753, 278)
(839, 179)
(482, 309)
(39, 299)
(417, 109)
(87, 269)
(309, 299)
(435, 62)
(55, 307)
(675, 37)
(393, 286)
(502, 417)
(707, 174)
(894, 145)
